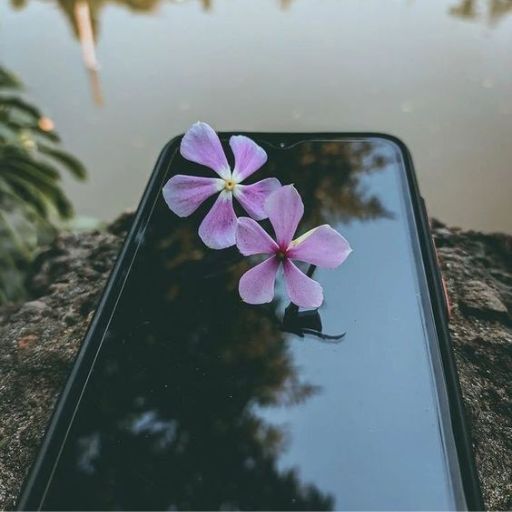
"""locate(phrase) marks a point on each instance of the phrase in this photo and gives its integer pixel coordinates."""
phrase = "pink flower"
(321, 246)
(184, 194)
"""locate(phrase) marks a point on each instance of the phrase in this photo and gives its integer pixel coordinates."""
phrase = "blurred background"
(90, 90)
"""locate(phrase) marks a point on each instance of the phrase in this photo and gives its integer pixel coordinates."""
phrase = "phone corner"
(173, 142)
(394, 141)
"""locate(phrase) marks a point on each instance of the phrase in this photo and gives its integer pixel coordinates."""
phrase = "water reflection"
(170, 419)
(332, 197)
(491, 10)
(307, 323)
(84, 18)
(425, 107)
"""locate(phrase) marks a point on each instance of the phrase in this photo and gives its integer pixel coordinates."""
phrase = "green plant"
(32, 202)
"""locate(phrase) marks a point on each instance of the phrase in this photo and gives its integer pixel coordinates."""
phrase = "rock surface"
(39, 339)
(477, 269)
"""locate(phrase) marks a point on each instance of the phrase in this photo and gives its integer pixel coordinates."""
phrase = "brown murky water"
(436, 73)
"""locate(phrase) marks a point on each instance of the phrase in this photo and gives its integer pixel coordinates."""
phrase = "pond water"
(435, 73)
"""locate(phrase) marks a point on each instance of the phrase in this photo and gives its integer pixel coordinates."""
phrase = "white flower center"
(229, 184)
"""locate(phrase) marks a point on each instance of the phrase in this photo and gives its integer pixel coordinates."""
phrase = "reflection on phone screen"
(200, 401)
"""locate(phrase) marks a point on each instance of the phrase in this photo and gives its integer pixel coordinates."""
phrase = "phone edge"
(35, 484)
(459, 421)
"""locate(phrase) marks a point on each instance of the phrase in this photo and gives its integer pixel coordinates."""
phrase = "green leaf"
(31, 197)
(9, 80)
(69, 161)
(17, 104)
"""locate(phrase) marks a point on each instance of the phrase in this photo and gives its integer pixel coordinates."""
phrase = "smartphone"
(184, 397)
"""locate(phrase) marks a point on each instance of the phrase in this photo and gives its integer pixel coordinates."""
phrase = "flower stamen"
(281, 255)
(229, 184)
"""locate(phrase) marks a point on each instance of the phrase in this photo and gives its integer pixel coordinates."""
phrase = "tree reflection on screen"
(170, 416)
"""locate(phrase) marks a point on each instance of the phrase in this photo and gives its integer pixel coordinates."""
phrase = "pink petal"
(249, 157)
(253, 197)
(284, 208)
(202, 145)
(302, 290)
(257, 285)
(184, 194)
(251, 238)
(218, 228)
(322, 246)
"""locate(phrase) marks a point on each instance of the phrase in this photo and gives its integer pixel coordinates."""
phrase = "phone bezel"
(38, 479)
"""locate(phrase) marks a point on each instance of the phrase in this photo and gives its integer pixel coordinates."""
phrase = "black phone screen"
(197, 400)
